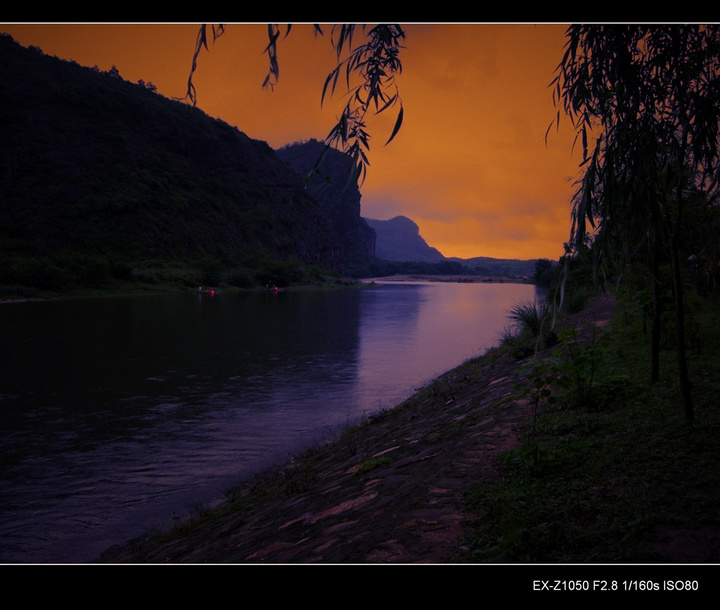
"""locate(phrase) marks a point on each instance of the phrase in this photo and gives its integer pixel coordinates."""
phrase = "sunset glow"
(470, 166)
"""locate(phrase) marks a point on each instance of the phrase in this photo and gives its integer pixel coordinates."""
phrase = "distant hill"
(103, 180)
(509, 267)
(400, 249)
(398, 239)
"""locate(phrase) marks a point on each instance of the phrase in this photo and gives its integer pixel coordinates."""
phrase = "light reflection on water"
(118, 413)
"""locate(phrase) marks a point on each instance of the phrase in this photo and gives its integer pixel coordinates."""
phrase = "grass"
(620, 476)
(530, 329)
(528, 315)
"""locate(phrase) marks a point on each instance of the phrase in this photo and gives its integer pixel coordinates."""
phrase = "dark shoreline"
(470, 279)
(140, 290)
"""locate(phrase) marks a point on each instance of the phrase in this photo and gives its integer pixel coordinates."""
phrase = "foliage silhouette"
(376, 62)
(645, 101)
(104, 180)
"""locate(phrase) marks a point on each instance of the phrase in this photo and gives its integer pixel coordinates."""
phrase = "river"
(119, 414)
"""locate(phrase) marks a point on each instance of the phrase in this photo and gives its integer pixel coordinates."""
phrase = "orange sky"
(470, 166)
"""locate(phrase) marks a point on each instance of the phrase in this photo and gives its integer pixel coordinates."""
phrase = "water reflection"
(432, 328)
(117, 412)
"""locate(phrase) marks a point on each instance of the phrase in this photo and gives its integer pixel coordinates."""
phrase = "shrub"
(533, 319)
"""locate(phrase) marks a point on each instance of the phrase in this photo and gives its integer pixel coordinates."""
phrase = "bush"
(533, 319)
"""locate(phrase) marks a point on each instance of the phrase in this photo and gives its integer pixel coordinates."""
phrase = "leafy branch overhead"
(368, 70)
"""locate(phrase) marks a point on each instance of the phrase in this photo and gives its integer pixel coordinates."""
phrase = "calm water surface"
(117, 414)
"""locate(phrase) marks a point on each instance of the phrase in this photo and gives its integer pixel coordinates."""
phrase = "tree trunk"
(683, 376)
(656, 324)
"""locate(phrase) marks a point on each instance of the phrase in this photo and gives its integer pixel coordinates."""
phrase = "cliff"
(338, 199)
(400, 249)
(399, 239)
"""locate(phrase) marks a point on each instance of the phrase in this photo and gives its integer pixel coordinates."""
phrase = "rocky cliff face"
(398, 239)
(338, 199)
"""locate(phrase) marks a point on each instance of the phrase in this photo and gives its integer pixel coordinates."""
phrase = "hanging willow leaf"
(200, 43)
(374, 64)
(398, 125)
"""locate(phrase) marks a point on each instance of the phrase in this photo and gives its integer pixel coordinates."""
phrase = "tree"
(369, 71)
(649, 96)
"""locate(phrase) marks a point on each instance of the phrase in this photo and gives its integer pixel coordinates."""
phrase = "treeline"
(382, 268)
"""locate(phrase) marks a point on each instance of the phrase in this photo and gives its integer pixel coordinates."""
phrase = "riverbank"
(387, 491)
(328, 283)
(462, 472)
(139, 289)
(469, 279)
